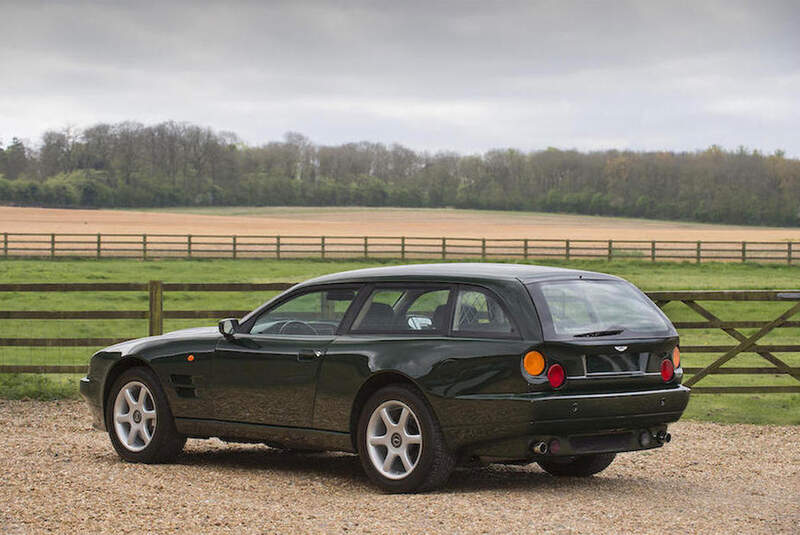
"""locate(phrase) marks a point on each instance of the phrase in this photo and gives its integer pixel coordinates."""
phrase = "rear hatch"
(622, 365)
(606, 334)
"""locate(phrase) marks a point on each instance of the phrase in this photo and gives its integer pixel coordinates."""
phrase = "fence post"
(5, 243)
(698, 251)
(233, 246)
(156, 299)
(322, 246)
(366, 247)
(789, 253)
(610, 250)
(52, 245)
(98, 244)
(402, 247)
(526, 248)
(189, 245)
(144, 246)
(653, 250)
(444, 248)
(566, 249)
(483, 248)
(278, 247)
(744, 251)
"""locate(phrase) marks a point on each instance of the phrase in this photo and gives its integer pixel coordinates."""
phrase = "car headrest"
(378, 316)
(440, 318)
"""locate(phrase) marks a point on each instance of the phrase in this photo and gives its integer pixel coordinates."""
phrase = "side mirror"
(229, 327)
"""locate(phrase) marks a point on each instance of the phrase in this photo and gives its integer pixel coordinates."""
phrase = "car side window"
(478, 312)
(312, 313)
(404, 310)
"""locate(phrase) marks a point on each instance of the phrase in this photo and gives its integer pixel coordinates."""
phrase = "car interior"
(387, 310)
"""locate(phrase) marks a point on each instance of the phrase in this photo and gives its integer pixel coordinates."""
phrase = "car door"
(267, 375)
(400, 326)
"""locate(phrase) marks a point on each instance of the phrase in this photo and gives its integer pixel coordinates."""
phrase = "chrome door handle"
(309, 354)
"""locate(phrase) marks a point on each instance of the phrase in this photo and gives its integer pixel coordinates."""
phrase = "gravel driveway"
(58, 475)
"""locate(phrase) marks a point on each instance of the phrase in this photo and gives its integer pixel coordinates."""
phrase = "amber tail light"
(533, 362)
(676, 357)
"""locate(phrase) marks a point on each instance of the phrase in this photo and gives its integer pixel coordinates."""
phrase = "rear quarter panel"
(447, 370)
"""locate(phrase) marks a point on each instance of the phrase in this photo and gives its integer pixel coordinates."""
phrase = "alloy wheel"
(394, 439)
(135, 416)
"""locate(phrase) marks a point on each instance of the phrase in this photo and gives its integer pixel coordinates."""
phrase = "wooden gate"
(745, 343)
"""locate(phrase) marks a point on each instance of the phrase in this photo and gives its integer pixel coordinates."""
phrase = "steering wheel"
(297, 327)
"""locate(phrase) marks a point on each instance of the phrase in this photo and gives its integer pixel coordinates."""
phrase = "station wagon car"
(415, 368)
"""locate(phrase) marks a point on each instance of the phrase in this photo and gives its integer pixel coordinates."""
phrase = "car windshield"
(596, 308)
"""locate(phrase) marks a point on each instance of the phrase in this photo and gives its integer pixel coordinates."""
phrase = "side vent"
(183, 385)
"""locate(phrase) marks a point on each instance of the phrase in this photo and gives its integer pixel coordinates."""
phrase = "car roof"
(458, 272)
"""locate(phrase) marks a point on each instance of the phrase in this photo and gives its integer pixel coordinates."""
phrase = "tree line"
(177, 164)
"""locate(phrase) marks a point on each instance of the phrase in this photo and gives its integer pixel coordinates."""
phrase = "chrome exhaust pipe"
(663, 437)
(539, 448)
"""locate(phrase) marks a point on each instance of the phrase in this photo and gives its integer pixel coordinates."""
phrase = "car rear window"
(481, 314)
(588, 308)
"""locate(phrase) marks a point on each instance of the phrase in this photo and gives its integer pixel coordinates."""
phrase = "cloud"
(467, 76)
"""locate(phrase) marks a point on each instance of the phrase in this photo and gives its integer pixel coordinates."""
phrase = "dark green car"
(416, 368)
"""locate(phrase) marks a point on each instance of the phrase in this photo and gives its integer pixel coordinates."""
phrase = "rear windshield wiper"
(593, 334)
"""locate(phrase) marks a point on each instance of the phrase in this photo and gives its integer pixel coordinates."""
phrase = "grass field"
(761, 408)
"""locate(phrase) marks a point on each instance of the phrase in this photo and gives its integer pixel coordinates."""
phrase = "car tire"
(137, 407)
(413, 436)
(580, 466)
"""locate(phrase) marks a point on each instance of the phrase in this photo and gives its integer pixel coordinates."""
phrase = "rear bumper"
(587, 412)
(90, 391)
(581, 423)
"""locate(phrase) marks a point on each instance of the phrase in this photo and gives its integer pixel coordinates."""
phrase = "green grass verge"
(762, 409)
(767, 408)
(43, 387)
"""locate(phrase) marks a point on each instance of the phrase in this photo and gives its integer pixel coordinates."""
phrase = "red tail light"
(667, 370)
(556, 375)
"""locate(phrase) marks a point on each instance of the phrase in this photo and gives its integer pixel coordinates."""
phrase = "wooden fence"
(52, 245)
(155, 315)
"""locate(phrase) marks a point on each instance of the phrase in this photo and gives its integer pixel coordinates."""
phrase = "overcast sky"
(467, 76)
